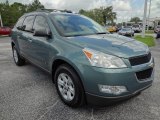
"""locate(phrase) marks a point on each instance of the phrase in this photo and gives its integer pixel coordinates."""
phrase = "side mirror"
(20, 27)
(42, 33)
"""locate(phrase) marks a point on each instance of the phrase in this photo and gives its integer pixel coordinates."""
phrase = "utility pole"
(144, 19)
(1, 21)
(149, 14)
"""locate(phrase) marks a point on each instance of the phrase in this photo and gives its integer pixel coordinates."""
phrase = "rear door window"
(28, 23)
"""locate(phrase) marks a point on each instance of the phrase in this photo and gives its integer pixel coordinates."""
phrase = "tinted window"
(40, 23)
(75, 25)
(20, 22)
(135, 25)
(28, 23)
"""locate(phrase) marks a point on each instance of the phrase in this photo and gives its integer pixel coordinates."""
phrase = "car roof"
(49, 11)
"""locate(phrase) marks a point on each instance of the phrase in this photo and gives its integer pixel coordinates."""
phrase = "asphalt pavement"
(27, 93)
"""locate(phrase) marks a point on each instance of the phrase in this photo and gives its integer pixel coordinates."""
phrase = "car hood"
(111, 44)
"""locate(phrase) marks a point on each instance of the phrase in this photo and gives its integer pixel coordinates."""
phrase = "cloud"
(125, 8)
(118, 5)
(121, 5)
(74, 5)
(155, 5)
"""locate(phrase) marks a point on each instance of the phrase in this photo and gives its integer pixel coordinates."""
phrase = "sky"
(126, 9)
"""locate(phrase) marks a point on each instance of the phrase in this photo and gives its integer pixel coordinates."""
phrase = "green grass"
(150, 32)
(149, 40)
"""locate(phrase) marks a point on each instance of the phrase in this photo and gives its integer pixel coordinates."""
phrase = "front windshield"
(135, 25)
(76, 25)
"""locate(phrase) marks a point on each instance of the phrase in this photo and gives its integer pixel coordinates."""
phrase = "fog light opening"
(116, 90)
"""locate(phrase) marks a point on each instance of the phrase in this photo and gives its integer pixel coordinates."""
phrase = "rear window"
(28, 23)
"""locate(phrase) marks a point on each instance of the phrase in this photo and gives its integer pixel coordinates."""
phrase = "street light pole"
(149, 15)
(144, 19)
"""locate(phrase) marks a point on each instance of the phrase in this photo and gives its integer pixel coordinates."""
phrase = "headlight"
(100, 59)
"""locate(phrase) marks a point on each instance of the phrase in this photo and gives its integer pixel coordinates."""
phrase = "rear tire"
(68, 86)
(19, 61)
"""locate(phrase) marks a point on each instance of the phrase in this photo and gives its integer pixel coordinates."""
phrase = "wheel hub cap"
(66, 86)
(15, 55)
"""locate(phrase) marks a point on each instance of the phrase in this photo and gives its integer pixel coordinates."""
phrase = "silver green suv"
(87, 64)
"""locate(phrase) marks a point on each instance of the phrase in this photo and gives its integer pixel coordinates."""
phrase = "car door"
(41, 46)
(18, 33)
(26, 37)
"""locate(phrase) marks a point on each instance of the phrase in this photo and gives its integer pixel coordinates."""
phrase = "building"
(153, 21)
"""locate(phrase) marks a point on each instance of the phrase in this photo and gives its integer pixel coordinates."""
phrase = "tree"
(34, 6)
(108, 14)
(17, 9)
(11, 13)
(5, 12)
(135, 19)
(101, 15)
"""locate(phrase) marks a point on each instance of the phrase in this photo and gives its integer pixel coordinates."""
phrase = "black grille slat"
(142, 75)
(140, 59)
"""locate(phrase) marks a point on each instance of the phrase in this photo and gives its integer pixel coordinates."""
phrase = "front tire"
(68, 86)
(19, 61)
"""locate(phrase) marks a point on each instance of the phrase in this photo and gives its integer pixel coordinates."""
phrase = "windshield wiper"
(86, 34)
(102, 33)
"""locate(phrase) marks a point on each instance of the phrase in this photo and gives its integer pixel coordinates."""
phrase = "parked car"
(119, 28)
(128, 27)
(158, 35)
(137, 28)
(111, 29)
(5, 31)
(157, 29)
(126, 32)
(87, 64)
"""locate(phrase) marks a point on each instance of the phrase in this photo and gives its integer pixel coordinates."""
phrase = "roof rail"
(53, 10)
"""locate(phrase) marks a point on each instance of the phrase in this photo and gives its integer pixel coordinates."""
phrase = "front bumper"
(101, 100)
(94, 76)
